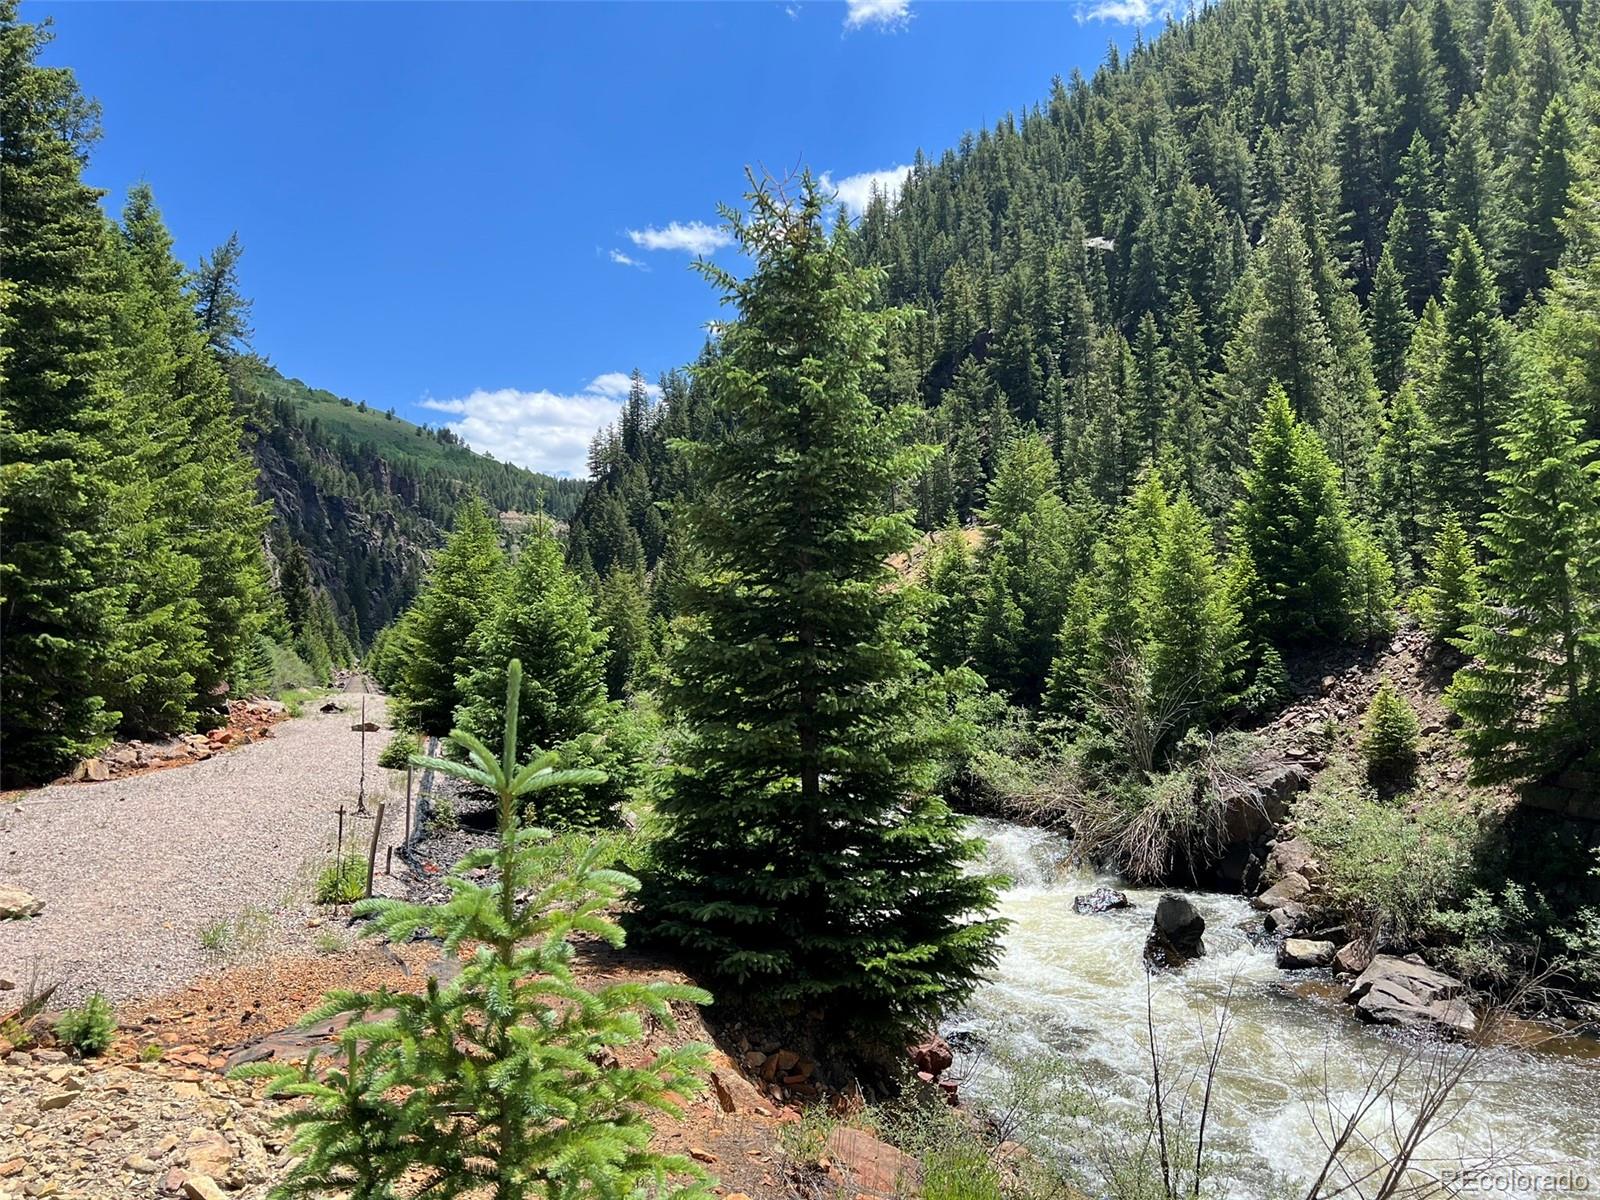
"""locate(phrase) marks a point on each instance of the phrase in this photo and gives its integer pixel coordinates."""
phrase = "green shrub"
(344, 881)
(1391, 870)
(397, 754)
(1389, 735)
(91, 1029)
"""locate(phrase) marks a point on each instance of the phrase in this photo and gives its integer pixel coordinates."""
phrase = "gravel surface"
(133, 871)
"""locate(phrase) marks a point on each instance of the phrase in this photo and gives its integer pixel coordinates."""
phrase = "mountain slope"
(368, 494)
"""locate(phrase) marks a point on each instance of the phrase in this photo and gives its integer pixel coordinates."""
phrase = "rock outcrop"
(1176, 933)
(1407, 992)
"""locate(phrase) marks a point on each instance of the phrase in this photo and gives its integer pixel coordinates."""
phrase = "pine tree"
(1195, 641)
(1448, 598)
(1390, 324)
(1389, 734)
(1292, 523)
(219, 303)
(804, 866)
(1552, 181)
(953, 581)
(1404, 484)
(623, 614)
(1370, 588)
(61, 600)
(502, 1082)
(1474, 386)
(543, 614)
(463, 586)
(1530, 696)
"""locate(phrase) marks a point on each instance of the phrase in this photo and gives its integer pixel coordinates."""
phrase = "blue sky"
(483, 214)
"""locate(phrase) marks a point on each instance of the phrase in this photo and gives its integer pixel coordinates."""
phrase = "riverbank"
(1064, 1030)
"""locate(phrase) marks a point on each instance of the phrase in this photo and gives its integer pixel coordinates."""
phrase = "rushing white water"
(1073, 987)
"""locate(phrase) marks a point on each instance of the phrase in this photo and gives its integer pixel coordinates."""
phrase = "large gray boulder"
(1302, 954)
(1293, 888)
(1409, 993)
(1175, 933)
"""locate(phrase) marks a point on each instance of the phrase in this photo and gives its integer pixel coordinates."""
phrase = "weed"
(152, 1052)
(329, 942)
(398, 752)
(344, 881)
(217, 936)
(88, 1030)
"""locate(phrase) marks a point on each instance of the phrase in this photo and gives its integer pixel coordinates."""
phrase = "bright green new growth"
(397, 754)
(1389, 734)
(91, 1029)
(496, 1083)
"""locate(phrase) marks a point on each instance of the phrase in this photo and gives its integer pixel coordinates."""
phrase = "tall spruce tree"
(1292, 523)
(59, 597)
(543, 614)
(1474, 387)
(804, 867)
(1195, 630)
(1530, 697)
(465, 582)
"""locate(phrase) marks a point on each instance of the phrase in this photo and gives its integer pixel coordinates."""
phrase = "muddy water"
(1071, 987)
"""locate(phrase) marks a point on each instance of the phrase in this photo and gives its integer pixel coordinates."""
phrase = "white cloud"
(885, 14)
(855, 191)
(792, 11)
(1124, 12)
(543, 431)
(696, 237)
(623, 260)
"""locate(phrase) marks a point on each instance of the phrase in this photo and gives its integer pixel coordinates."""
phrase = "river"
(1071, 990)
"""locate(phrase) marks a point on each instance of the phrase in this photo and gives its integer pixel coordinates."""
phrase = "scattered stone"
(1287, 918)
(202, 1187)
(1175, 933)
(94, 770)
(208, 1152)
(55, 1100)
(12, 1166)
(1300, 954)
(16, 904)
(141, 1164)
(1102, 899)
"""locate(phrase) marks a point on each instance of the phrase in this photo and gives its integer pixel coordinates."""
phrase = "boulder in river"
(1175, 933)
(1408, 992)
(1291, 889)
(1102, 899)
(1301, 954)
(1287, 918)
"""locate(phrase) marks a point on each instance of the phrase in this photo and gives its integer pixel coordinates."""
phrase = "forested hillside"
(366, 494)
(1270, 301)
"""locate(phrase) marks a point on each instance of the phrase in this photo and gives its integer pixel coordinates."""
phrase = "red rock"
(870, 1165)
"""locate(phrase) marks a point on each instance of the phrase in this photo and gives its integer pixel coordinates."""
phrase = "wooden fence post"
(372, 850)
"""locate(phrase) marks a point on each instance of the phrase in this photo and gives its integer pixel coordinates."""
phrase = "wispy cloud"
(542, 430)
(855, 191)
(1124, 12)
(624, 260)
(695, 237)
(792, 11)
(885, 14)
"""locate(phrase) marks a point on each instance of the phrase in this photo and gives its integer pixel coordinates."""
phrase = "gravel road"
(133, 871)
